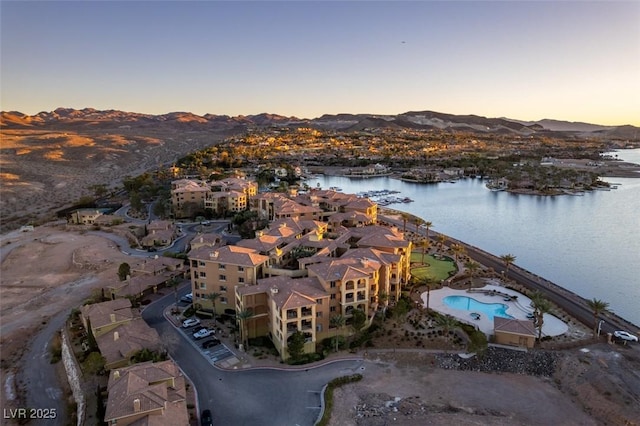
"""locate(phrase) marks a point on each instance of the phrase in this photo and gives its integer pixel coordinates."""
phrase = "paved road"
(39, 378)
(248, 397)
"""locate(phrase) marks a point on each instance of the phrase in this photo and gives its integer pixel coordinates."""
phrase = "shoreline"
(562, 293)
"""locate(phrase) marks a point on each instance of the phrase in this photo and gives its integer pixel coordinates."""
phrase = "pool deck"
(518, 308)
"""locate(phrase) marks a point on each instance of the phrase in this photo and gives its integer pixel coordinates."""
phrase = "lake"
(588, 244)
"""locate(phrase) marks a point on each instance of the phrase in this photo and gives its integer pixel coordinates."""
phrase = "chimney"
(113, 317)
(116, 374)
(136, 405)
(274, 290)
(116, 336)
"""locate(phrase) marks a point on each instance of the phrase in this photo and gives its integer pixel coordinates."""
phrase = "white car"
(187, 298)
(205, 332)
(625, 336)
(190, 322)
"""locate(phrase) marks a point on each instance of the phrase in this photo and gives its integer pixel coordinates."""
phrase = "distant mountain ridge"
(422, 120)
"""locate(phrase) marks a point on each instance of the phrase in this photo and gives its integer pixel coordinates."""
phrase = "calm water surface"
(588, 244)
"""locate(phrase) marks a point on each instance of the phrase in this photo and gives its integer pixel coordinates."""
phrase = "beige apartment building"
(189, 196)
(219, 270)
(299, 272)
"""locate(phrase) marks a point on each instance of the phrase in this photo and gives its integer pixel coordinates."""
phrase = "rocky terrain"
(597, 385)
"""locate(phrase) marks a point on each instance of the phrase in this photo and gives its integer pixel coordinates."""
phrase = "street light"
(600, 327)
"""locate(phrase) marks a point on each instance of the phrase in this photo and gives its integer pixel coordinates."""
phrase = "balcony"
(306, 312)
(307, 325)
(292, 328)
(292, 315)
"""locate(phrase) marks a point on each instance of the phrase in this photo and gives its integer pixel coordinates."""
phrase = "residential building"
(219, 270)
(118, 332)
(84, 216)
(300, 271)
(159, 233)
(514, 332)
(150, 394)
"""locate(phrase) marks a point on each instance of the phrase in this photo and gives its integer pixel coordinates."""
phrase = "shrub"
(328, 395)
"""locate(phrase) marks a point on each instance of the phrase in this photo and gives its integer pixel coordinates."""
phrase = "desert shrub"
(328, 395)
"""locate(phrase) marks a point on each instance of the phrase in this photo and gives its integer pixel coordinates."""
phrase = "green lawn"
(437, 269)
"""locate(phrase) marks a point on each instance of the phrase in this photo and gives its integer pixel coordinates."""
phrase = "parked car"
(625, 336)
(205, 332)
(187, 298)
(206, 419)
(211, 343)
(190, 322)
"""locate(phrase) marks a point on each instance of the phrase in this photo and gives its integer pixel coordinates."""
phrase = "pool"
(468, 304)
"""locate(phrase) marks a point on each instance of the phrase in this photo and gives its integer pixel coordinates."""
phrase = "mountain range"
(68, 118)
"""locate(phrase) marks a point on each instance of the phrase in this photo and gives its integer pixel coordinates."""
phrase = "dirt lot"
(45, 272)
(411, 389)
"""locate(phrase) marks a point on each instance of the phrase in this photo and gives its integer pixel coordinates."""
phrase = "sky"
(575, 60)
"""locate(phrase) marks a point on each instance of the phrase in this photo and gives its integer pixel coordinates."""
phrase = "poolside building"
(514, 332)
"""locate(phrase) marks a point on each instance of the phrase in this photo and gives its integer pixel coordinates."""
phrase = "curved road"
(248, 397)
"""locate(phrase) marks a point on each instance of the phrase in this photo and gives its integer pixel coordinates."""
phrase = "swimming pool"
(472, 305)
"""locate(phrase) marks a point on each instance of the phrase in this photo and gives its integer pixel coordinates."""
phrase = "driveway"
(254, 396)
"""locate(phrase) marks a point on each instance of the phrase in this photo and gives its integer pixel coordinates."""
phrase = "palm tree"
(405, 217)
(540, 307)
(458, 250)
(472, 266)
(430, 283)
(428, 225)
(243, 316)
(597, 306)
(383, 297)
(213, 297)
(441, 240)
(338, 322)
(424, 244)
(508, 260)
(417, 222)
(447, 322)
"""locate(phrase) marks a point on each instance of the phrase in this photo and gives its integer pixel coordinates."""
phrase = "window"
(240, 280)
(333, 284)
(221, 266)
(240, 268)
(332, 309)
(319, 301)
(203, 286)
(222, 278)
(201, 263)
(223, 288)
(318, 327)
(318, 314)
(223, 300)
(333, 297)
(203, 274)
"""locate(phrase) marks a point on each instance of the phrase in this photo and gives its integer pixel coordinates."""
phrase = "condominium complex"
(189, 196)
(322, 255)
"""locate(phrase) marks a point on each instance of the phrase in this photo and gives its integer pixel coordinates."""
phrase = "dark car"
(206, 419)
(211, 343)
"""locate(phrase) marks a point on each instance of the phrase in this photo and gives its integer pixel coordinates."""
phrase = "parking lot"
(215, 353)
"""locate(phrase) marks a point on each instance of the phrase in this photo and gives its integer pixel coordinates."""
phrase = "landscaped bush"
(328, 395)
